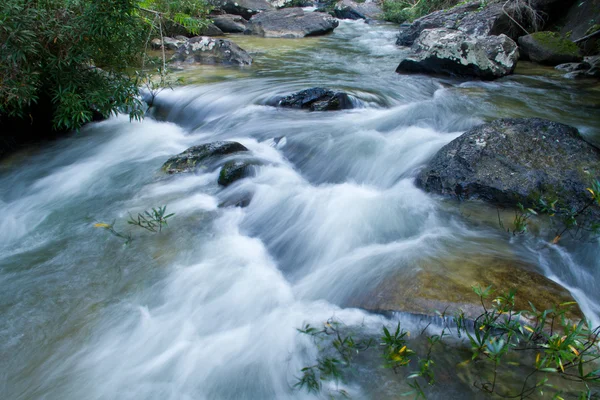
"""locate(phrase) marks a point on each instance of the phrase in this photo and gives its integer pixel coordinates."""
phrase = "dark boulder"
(203, 156)
(548, 48)
(230, 23)
(582, 19)
(245, 8)
(511, 161)
(206, 50)
(235, 170)
(451, 52)
(211, 30)
(291, 23)
(315, 99)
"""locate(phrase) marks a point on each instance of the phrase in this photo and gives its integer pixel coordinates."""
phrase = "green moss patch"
(556, 43)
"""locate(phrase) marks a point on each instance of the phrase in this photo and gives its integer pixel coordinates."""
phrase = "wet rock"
(450, 52)
(582, 19)
(206, 50)
(244, 8)
(230, 23)
(511, 161)
(348, 9)
(211, 30)
(548, 48)
(202, 156)
(588, 68)
(468, 18)
(169, 43)
(445, 284)
(315, 99)
(291, 23)
(235, 170)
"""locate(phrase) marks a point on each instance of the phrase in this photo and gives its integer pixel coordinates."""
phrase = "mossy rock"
(203, 156)
(549, 48)
(446, 283)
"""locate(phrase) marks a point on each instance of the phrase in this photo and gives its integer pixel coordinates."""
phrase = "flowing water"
(208, 309)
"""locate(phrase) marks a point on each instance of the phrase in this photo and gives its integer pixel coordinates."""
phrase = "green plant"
(110, 228)
(152, 221)
(408, 10)
(543, 344)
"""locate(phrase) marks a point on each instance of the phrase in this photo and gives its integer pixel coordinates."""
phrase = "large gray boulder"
(291, 23)
(468, 18)
(511, 161)
(204, 156)
(230, 23)
(588, 68)
(451, 52)
(245, 8)
(207, 50)
(548, 48)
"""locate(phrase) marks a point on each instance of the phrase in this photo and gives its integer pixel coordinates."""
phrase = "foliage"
(541, 343)
(341, 348)
(578, 223)
(152, 221)
(73, 59)
(400, 11)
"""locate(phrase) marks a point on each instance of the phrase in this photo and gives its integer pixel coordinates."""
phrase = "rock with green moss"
(511, 161)
(204, 156)
(549, 48)
(235, 170)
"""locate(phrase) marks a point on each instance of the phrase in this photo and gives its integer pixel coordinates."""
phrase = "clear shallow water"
(209, 308)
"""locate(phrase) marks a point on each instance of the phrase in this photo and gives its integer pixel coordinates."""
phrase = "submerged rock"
(548, 48)
(450, 52)
(511, 161)
(202, 156)
(207, 50)
(445, 284)
(291, 23)
(230, 23)
(315, 99)
(235, 170)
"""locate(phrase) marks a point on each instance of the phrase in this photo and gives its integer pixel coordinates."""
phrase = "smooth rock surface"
(291, 23)
(230, 23)
(201, 156)
(451, 52)
(206, 50)
(445, 284)
(348, 9)
(511, 161)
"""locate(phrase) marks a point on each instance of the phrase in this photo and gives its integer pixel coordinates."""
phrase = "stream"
(209, 308)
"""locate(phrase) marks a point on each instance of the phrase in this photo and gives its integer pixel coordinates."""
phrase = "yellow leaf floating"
(101, 225)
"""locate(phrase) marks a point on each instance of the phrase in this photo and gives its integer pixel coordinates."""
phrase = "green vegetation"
(70, 61)
(408, 10)
(152, 221)
(555, 42)
(578, 223)
(540, 349)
